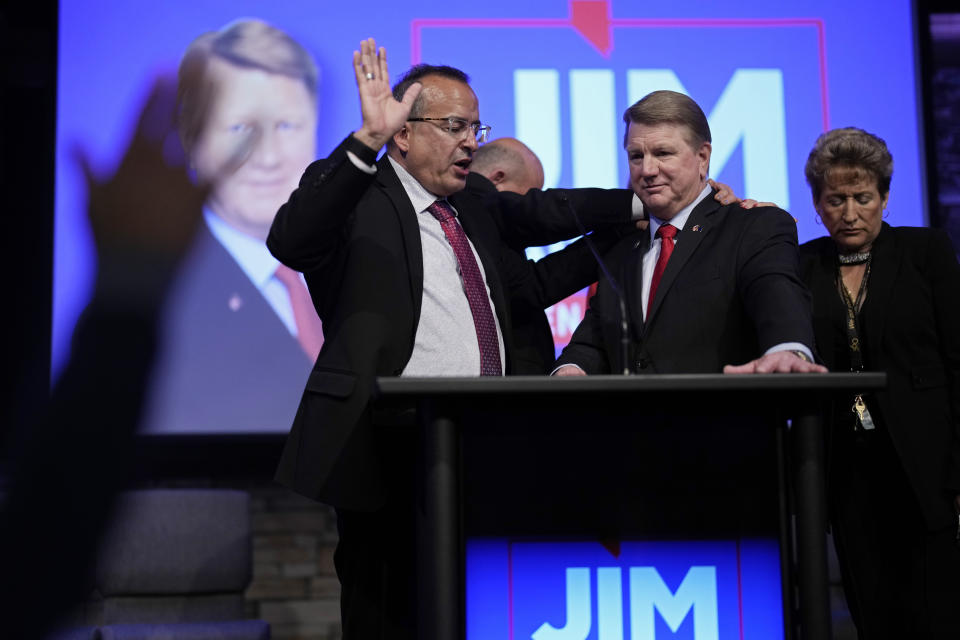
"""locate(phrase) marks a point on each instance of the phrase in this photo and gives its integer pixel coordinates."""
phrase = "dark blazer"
(226, 362)
(730, 291)
(911, 322)
(356, 238)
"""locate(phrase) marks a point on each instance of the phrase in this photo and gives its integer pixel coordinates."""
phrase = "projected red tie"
(666, 233)
(475, 289)
(309, 327)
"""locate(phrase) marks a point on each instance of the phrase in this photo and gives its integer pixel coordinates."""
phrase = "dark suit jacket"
(730, 291)
(226, 362)
(911, 323)
(356, 238)
(555, 277)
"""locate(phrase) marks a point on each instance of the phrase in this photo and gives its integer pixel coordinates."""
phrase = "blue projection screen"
(557, 75)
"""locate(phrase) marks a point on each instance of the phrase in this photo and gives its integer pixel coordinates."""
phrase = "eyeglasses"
(458, 127)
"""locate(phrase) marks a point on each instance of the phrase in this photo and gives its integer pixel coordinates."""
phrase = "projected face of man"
(283, 114)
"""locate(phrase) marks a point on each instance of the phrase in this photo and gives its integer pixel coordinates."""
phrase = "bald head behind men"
(509, 164)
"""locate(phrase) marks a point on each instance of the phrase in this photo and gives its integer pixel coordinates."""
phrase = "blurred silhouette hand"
(150, 205)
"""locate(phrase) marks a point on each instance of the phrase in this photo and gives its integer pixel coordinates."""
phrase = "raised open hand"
(382, 114)
(149, 203)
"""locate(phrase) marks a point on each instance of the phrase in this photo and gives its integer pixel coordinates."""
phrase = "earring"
(817, 218)
(886, 213)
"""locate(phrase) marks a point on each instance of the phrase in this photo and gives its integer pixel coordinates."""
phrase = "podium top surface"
(802, 383)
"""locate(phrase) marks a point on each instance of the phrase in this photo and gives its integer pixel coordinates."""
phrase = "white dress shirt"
(446, 338)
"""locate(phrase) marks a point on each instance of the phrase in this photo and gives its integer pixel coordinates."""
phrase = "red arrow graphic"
(592, 19)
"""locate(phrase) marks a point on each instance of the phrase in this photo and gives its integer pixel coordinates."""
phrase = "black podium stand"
(446, 406)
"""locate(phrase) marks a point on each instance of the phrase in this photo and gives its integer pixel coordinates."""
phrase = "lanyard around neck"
(853, 306)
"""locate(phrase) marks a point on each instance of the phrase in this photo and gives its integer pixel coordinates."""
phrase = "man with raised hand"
(408, 272)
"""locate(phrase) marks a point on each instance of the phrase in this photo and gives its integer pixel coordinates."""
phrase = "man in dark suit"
(407, 271)
(509, 165)
(237, 345)
(707, 285)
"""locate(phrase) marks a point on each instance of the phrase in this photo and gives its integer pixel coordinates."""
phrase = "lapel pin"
(696, 227)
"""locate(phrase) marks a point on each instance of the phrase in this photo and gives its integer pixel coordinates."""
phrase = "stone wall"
(294, 585)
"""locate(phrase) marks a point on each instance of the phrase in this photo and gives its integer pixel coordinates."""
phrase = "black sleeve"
(768, 280)
(587, 348)
(313, 223)
(543, 217)
(560, 274)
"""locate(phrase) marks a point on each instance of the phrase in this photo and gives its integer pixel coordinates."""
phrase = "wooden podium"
(671, 413)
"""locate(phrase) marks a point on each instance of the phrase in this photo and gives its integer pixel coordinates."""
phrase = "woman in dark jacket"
(888, 299)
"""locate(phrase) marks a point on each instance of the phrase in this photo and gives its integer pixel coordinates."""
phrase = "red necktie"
(309, 327)
(474, 287)
(666, 232)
